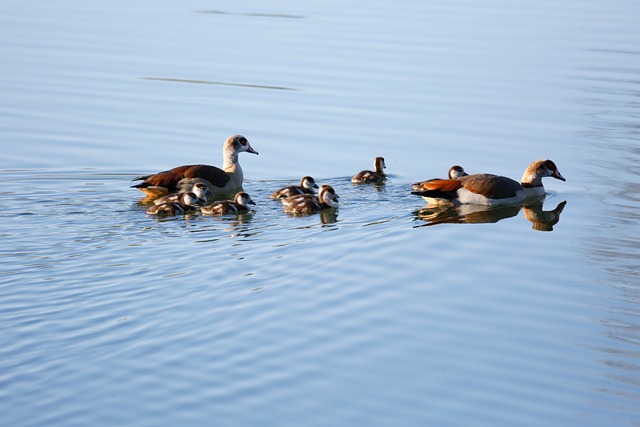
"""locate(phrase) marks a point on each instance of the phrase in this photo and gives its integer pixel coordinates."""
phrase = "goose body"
(488, 189)
(307, 186)
(239, 203)
(368, 177)
(309, 203)
(182, 178)
(199, 189)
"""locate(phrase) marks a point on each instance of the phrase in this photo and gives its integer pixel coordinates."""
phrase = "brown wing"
(491, 186)
(170, 179)
(214, 175)
(442, 184)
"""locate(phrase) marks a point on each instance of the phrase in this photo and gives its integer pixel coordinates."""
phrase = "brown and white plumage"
(488, 189)
(307, 186)
(309, 203)
(239, 203)
(455, 172)
(182, 178)
(187, 201)
(368, 177)
(199, 189)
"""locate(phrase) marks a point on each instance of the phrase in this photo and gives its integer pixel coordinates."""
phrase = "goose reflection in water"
(480, 214)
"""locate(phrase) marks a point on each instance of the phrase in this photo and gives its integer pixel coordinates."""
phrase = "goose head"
(539, 169)
(308, 182)
(328, 196)
(243, 199)
(238, 144)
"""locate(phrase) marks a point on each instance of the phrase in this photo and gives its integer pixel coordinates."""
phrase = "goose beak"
(251, 150)
(557, 175)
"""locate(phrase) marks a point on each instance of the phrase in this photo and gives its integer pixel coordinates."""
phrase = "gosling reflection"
(478, 214)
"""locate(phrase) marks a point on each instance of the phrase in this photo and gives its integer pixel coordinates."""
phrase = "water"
(383, 313)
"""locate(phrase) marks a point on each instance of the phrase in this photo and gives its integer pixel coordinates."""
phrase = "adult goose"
(487, 189)
(182, 178)
(369, 177)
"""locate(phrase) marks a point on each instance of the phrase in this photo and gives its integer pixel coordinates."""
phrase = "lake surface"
(383, 313)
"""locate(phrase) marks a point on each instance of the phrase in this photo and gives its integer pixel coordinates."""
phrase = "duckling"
(309, 203)
(367, 177)
(239, 203)
(307, 186)
(188, 201)
(455, 172)
(199, 189)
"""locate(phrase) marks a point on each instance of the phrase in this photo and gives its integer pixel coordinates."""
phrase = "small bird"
(488, 189)
(309, 203)
(455, 172)
(239, 203)
(368, 177)
(199, 189)
(182, 178)
(188, 201)
(307, 186)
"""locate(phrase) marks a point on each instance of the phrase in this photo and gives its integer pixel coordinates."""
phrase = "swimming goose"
(307, 186)
(186, 202)
(309, 203)
(367, 177)
(487, 189)
(199, 189)
(239, 203)
(455, 172)
(218, 180)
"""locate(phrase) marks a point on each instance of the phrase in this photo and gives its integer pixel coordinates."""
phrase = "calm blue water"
(381, 314)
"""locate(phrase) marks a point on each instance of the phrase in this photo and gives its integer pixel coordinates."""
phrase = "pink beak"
(251, 150)
(557, 175)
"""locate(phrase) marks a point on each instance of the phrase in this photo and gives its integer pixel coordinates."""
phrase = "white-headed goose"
(239, 203)
(182, 178)
(308, 203)
(307, 186)
(455, 172)
(368, 177)
(186, 202)
(487, 189)
(199, 189)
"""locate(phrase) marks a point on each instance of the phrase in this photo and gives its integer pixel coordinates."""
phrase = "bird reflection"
(328, 216)
(479, 214)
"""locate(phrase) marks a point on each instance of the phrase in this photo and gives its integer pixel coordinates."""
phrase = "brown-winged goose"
(182, 178)
(487, 189)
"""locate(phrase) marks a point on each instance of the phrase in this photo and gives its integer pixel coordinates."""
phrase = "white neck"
(531, 179)
(230, 162)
